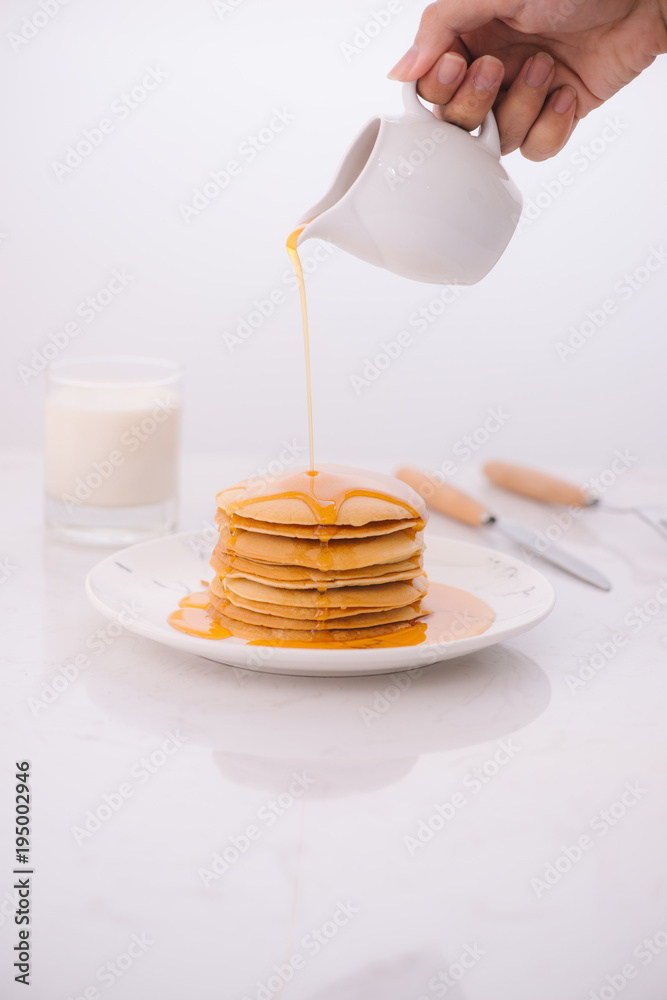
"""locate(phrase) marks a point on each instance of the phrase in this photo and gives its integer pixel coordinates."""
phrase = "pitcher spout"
(316, 227)
(322, 221)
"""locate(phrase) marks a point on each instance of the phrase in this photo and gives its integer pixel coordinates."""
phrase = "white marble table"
(494, 830)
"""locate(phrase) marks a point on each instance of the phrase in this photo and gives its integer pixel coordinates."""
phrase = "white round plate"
(140, 586)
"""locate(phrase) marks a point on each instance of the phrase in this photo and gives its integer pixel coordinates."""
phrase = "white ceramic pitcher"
(420, 197)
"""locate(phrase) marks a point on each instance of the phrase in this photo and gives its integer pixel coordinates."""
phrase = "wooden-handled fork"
(549, 489)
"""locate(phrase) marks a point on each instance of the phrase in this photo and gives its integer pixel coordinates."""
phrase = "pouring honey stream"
(453, 613)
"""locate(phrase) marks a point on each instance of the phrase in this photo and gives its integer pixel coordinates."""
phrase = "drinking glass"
(111, 448)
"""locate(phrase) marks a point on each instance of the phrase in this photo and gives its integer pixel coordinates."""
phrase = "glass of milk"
(111, 448)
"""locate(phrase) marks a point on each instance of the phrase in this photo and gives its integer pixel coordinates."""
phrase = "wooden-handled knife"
(447, 500)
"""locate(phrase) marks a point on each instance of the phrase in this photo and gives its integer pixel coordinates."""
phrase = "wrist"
(662, 25)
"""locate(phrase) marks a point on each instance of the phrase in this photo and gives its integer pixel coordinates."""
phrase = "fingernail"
(450, 67)
(404, 64)
(564, 100)
(488, 73)
(539, 68)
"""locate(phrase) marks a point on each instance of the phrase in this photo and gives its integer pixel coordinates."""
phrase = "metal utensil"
(550, 489)
(450, 501)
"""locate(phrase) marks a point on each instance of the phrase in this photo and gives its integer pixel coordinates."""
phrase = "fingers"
(528, 117)
(468, 100)
(553, 126)
(441, 24)
(521, 106)
(441, 82)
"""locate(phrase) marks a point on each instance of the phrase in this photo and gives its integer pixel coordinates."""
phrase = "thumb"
(441, 24)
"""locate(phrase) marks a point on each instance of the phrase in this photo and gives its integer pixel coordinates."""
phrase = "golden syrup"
(412, 636)
(322, 532)
(193, 618)
(199, 599)
(453, 614)
(294, 257)
(324, 493)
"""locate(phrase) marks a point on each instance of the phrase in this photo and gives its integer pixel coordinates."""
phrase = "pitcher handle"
(488, 135)
(411, 102)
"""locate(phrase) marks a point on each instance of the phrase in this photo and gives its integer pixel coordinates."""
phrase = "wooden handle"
(445, 499)
(536, 485)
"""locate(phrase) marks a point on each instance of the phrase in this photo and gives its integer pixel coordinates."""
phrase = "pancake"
(383, 595)
(224, 562)
(365, 620)
(323, 532)
(290, 611)
(355, 581)
(334, 494)
(261, 633)
(301, 577)
(335, 555)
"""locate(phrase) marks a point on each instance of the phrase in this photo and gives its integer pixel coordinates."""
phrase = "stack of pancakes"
(331, 556)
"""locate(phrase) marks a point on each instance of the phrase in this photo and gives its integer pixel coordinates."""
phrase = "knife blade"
(452, 502)
(555, 555)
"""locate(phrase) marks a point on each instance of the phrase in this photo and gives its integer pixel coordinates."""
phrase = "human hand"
(542, 65)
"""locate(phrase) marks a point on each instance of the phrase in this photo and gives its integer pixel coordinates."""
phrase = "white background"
(494, 347)
(193, 282)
